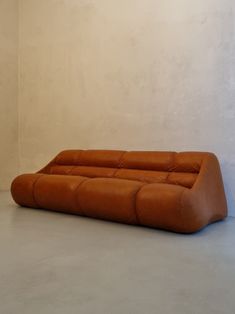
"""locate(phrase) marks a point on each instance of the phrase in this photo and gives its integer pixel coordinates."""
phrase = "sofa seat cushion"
(22, 189)
(111, 199)
(55, 192)
(159, 205)
(58, 192)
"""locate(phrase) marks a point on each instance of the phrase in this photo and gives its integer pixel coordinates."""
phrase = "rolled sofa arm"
(22, 189)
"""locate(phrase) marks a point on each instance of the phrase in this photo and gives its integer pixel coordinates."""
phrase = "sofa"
(181, 192)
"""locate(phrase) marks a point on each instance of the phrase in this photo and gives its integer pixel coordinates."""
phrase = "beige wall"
(8, 91)
(128, 74)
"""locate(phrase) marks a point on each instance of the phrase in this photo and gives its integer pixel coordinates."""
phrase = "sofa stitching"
(115, 172)
(78, 158)
(167, 177)
(135, 207)
(119, 164)
(76, 198)
(33, 192)
(173, 166)
(120, 159)
(181, 208)
(71, 170)
(75, 160)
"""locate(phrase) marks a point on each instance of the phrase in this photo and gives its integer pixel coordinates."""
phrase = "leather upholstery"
(56, 192)
(181, 192)
(111, 199)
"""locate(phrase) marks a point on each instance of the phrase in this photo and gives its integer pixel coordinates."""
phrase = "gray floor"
(57, 263)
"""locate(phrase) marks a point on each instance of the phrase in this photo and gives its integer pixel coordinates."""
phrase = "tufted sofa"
(181, 192)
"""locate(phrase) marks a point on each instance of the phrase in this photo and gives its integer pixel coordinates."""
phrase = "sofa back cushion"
(160, 161)
(150, 167)
(99, 158)
(188, 162)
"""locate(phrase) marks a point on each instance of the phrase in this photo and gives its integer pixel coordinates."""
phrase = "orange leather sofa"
(181, 192)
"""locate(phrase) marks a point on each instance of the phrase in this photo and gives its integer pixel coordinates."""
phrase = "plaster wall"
(8, 91)
(128, 74)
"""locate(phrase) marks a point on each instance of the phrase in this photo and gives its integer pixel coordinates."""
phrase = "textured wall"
(8, 91)
(129, 74)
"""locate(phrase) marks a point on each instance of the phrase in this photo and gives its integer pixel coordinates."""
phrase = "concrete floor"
(56, 263)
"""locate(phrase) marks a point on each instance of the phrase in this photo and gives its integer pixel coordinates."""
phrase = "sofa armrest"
(205, 202)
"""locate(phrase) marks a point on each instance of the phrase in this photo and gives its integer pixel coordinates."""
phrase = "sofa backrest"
(151, 166)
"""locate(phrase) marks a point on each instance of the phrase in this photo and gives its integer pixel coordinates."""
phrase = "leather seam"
(78, 158)
(120, 160)
(76, 198)
(119, 164)
(181, 208)
(167, 177)
(71, 170)
(173, 166)
(33, 193)
(135, 207)
(115, 172)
